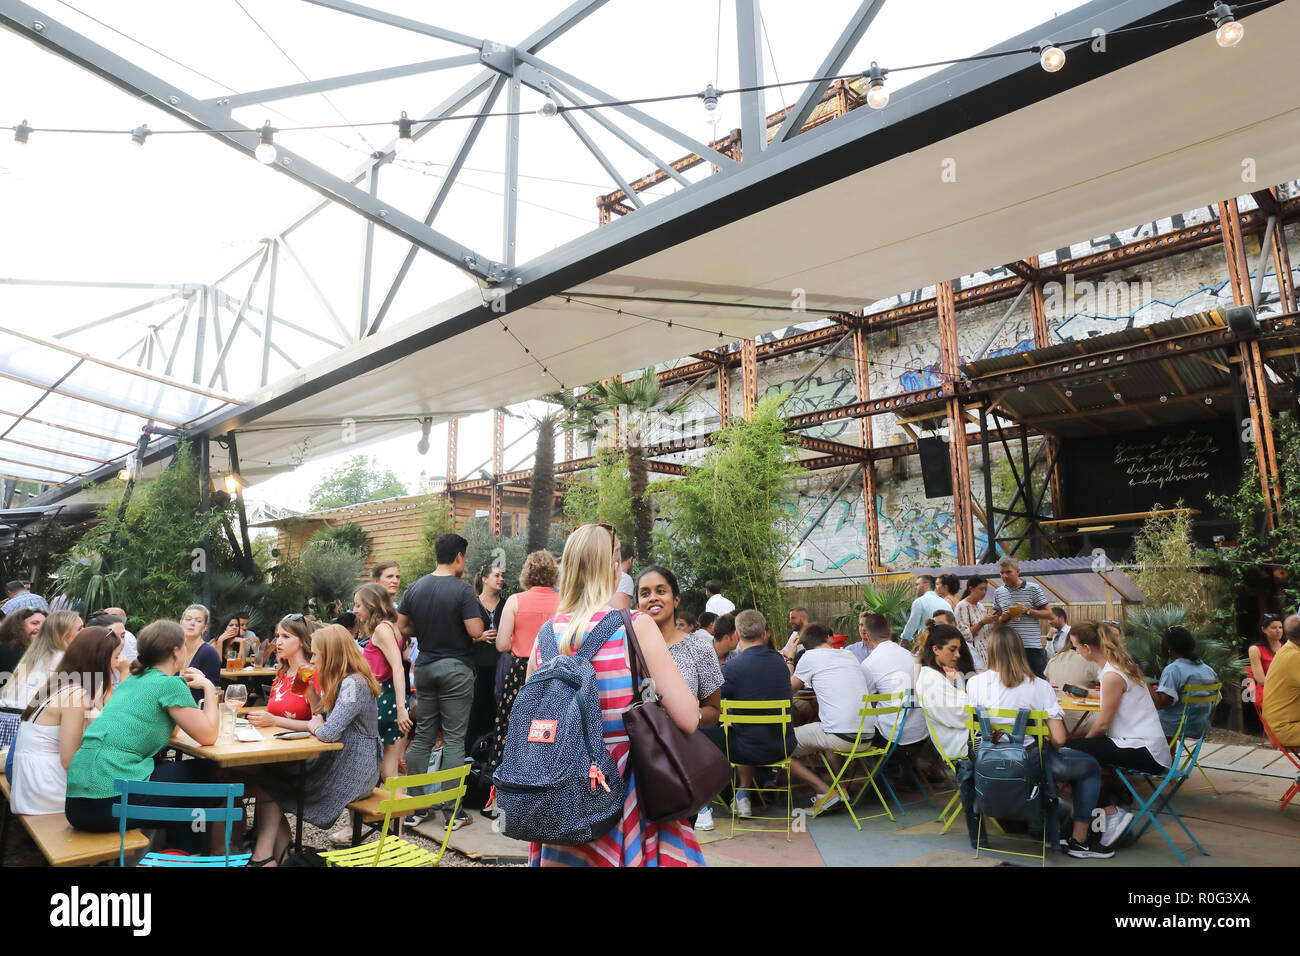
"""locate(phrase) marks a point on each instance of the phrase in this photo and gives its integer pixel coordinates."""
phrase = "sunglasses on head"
(293, 617)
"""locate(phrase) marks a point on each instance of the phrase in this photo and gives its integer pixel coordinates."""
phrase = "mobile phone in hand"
(1074, 690)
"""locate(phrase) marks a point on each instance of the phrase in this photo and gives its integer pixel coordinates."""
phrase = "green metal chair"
(777, 713)
(1195, 695)
(873, 706)
(1036, 728)
(950, 812)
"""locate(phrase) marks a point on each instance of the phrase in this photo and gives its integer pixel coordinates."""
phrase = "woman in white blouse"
(973, 621)
(1127, 732)
(941, 690)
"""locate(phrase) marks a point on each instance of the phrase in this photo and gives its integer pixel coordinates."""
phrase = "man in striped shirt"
(1021, 604)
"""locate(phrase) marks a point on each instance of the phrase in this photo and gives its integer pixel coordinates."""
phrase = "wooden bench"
(61, 845)
(366, 813)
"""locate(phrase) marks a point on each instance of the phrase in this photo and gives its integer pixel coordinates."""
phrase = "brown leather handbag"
(676, 773)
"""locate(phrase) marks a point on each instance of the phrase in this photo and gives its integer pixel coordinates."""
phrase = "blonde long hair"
(587, 580)
(1006, 656)
(56, 631)
(339, 658)
(1110, 641)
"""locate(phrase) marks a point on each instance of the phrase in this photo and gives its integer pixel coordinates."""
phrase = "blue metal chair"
(1165, 785)
(126, 811)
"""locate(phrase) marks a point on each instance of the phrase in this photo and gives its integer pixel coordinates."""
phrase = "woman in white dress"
(53, 722)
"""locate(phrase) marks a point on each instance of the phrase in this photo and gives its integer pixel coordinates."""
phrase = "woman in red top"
(287, 708)
(1262, 652)
(523, 616)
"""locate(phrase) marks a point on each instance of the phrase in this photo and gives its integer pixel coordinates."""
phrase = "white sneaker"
(1116, 824)
(704, 819)
(742, 806)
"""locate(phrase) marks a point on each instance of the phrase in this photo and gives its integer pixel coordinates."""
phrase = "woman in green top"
(137, 722)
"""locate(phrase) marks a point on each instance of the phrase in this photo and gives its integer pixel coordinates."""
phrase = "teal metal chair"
(199, 817)
(1165, 785)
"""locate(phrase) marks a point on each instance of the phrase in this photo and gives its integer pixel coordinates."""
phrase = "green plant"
(332, 571)
(1169, 563)
(1262, 555)
(438, 518)
(892, 598)
(628, 409)
(1144, 630)
(358, 479)
(287, 590)
(735, 512)
(603, 494)
(81, 579)
(350, 535)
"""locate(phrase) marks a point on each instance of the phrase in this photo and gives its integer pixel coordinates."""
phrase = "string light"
(266, 151)
(404, 142)
(877, 95)
(1228, 33)
(1230, 30)
(549, 108)
(1051, 57)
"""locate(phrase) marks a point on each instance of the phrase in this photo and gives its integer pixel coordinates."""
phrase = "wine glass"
(236, 697)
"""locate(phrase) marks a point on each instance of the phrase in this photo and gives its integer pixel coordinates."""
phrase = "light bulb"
(1052, 58)
(1163, 399)
(140, 134)
(232, 485)
(422, 446)
(21, 132)
(1229, 34)
(404, 141)
(710, 97)
(124, 474)
(548, 109)
(266, 151)
(877, 95)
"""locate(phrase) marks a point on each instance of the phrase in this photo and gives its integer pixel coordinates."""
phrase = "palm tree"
(541, 493)
(629, 407)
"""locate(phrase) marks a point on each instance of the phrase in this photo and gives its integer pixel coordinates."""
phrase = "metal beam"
(448, 178)
(510, 190)
(320, 296)
(749, 49)
(200, 334)
(180, 334)
(601, 158)
(367, 258)
(54, 451)
(233, 305)
(403, 23)
(148, 415)
(181, 104)
(117, 315)
(236, 100)
(68, 428)
(220, 369)
(830, 66)
(646, 120)
(126, 369)
(270, 313)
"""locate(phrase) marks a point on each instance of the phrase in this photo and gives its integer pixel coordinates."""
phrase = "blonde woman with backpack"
(587, 582)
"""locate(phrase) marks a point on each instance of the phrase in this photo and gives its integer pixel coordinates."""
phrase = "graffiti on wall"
(835, 388)
(913, 532)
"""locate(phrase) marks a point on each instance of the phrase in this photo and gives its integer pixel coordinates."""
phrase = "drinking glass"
(236, 697)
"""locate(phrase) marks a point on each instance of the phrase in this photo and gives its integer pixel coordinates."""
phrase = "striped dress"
(633, 842)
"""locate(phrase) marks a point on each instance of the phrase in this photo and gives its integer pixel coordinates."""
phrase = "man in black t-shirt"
(442, 612)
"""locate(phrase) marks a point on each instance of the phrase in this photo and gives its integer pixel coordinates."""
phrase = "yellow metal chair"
(873, 706)
(1037, 728)
(1195, 695)
(777, 713)
(394, 851)
(950, 812)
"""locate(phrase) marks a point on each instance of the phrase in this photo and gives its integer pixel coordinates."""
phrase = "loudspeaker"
(1242, 320)
(936, 469)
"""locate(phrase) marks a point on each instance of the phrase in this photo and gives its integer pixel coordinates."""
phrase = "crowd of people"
(405, 678)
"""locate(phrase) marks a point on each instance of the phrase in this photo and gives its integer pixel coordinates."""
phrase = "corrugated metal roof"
(1069, 580)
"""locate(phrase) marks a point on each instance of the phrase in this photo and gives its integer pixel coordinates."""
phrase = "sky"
(187, 209)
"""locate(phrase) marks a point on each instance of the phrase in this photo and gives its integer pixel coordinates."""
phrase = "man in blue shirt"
(757, 672)
(1183, 669)
(923, 608)
(20, 597)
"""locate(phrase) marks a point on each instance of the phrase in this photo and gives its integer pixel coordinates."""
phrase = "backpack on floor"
(478, 784)
(1004, 771)
(557, 784)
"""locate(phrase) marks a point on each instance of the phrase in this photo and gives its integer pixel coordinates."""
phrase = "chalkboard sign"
(1134, 471)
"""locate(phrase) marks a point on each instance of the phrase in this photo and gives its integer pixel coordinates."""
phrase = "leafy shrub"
(1144, 630)
(332, 571)
(350, 535)
(892, 598)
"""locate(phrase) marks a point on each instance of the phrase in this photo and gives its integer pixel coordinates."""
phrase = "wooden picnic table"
(270, 749)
